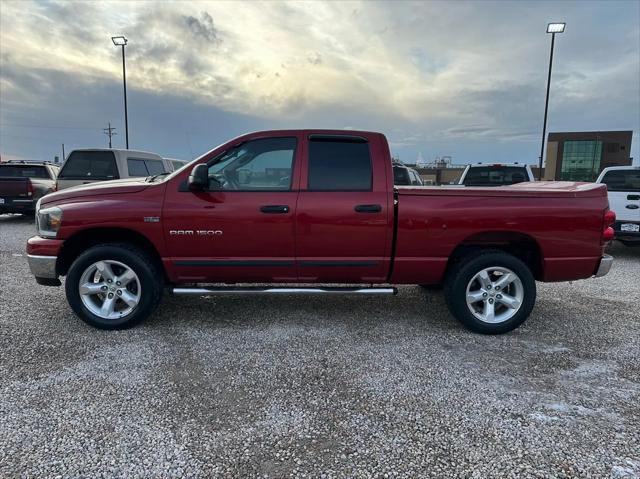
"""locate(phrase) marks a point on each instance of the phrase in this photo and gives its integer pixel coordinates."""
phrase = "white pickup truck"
(623, 185)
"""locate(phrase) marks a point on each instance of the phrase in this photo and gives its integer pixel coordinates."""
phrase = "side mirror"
(199, 177)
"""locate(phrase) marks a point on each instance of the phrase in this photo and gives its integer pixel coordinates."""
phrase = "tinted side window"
(339, 165)
(622, 180)
(401, 176)
(90, 165)
(154, 167)
(264, 164)
(136, 167)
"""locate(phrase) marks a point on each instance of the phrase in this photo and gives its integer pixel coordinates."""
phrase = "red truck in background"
(22, 184)
(307, 207)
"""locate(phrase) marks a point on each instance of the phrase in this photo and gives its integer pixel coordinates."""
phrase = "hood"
(111, 187)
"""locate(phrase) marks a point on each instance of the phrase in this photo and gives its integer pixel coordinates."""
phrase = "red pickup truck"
(314, 207)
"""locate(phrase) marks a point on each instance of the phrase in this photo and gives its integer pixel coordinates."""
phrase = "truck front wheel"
(490, 292)
(113, 286)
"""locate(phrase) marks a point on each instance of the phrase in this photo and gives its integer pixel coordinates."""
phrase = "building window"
(581, 160)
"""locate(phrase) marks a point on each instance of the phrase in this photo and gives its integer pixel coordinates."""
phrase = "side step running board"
(214, 290)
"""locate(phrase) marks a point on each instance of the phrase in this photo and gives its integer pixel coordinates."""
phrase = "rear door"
(344, 219)
(623, 186)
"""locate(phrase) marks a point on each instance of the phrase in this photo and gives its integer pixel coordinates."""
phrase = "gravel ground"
(320, 387)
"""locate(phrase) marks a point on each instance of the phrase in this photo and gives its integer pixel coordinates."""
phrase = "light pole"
(122, 41)
(552, 28)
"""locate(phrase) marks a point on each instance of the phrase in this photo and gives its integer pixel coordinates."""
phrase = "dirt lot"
(320, 387)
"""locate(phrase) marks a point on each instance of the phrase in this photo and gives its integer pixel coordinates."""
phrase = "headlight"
(48, 221)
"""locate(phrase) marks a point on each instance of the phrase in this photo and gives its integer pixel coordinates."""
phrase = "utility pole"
(63, 157)
(109, 132)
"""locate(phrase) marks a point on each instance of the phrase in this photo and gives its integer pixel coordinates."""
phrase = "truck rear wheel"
(113, 286)
(490, 292)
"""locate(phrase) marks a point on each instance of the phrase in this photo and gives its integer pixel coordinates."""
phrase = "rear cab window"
(90, 165)
(24, 171)
(622, 180)
(495, 175)
(339, 164)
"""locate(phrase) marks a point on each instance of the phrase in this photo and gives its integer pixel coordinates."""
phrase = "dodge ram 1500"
(306, 210)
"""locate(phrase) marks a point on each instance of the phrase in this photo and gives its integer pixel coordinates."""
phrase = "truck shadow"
(618, 250)
(412, 306)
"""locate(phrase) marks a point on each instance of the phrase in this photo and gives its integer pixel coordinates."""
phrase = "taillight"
(55, 187)
(29, 188)
(608, 234)
(609, 218)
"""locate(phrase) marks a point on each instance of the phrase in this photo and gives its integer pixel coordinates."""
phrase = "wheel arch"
(85, 239)
(518, 244)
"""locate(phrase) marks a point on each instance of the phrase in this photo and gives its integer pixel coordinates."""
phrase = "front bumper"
(605, 265)
(44, 269)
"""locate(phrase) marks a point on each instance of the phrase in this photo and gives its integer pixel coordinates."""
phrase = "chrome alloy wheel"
(109, 289)
(494, 295)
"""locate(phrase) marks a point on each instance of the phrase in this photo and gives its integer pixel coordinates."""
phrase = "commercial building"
(581, 156)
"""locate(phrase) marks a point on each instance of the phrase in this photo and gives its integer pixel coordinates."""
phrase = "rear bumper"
(605, 265)
(18, 205)
(630, 235)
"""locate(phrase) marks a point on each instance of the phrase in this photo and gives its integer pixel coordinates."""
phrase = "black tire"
(149, 274)
(466, 269)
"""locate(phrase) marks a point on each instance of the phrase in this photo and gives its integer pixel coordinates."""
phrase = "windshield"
(495, 175)
(24, 171)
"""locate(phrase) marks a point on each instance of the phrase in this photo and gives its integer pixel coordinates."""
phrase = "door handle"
(368, 208)
(274, 209)
(633, 197)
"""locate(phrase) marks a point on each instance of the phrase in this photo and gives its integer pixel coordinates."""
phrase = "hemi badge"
(151, 219)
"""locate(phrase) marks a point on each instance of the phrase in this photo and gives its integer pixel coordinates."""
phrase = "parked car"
(176, 164)
(241, 214)
(623, 185)
(499, 174)
(96, 164)
(403, 175)
(22, 184)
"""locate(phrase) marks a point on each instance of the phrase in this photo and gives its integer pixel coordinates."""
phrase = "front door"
(241, 229)
(343, 219)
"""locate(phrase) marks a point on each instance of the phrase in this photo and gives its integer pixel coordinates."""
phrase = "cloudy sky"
(465, 79)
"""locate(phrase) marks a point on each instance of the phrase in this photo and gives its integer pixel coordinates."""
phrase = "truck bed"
(537, 189)
(565, 233)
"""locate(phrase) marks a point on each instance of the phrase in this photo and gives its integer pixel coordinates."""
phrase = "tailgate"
(14, 187)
